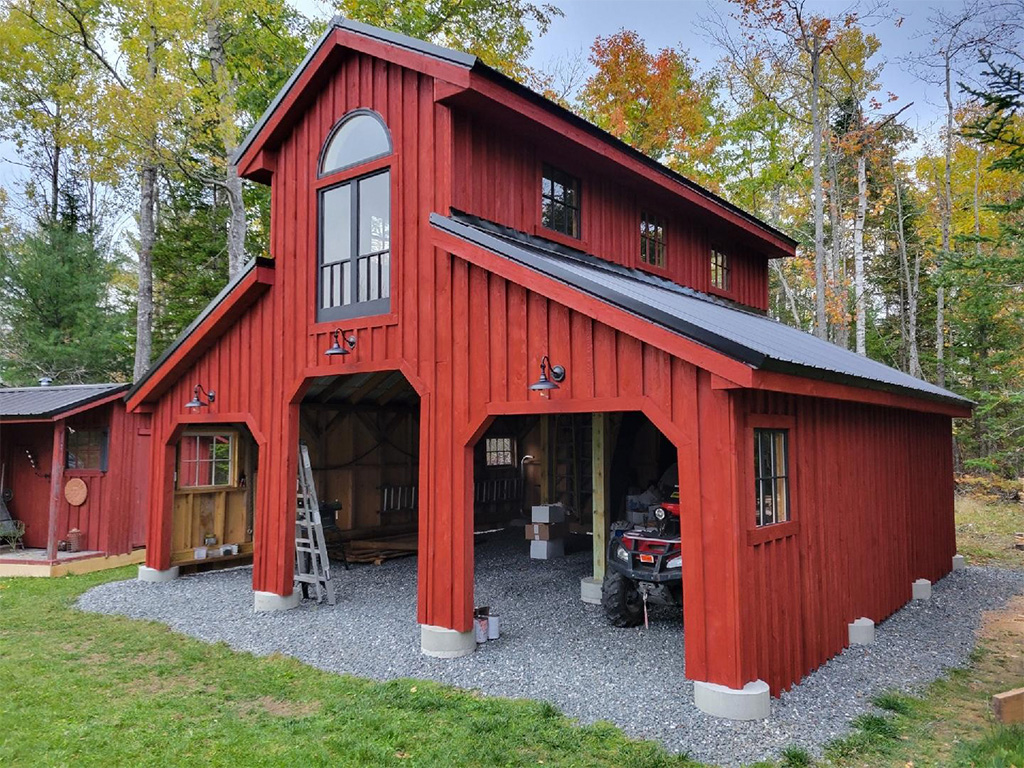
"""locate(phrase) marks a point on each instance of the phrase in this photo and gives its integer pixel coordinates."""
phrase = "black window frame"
(76, 435)
(355, 308)
(550, 176)
(347, 118)
(653, 236)
(721, 270)
(762, 518)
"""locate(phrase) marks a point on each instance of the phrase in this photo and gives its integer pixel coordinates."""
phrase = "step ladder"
(312, 568)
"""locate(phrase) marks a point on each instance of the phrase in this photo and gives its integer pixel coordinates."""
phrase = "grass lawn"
(86, 690)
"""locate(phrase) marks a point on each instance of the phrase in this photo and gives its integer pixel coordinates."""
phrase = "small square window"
(205, 461)
(720, 277)
(652, 240)
(560, 202)
(86, 449)
(500, 452)
(771, 476)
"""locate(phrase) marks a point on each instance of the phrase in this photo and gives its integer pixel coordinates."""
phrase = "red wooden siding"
(485, 152)
(112, 519)
(468, 331)
(872, 499)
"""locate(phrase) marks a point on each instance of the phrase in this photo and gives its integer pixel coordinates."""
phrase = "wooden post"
(545, 460)
(600, 498)
(1008, 707)
(56, 485)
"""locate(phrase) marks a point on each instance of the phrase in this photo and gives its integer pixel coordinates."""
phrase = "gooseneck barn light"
(544, 383)
(336, 348)
(195, 402)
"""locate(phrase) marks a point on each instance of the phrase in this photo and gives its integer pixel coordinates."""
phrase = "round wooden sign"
(76, 491)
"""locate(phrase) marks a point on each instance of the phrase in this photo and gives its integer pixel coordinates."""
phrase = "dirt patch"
(158, 685)
(278, 707)
(94, 659)
(152, 658)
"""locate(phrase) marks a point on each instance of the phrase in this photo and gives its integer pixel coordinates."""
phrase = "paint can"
(493, 627)
(481, 629)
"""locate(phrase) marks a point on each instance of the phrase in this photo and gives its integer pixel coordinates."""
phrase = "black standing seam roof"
(224, 293)
(471, 62)
(746, 336)
(47, 402)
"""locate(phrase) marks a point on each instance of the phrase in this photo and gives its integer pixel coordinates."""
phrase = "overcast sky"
(677, 23)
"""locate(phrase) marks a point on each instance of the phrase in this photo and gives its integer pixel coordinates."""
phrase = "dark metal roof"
(473, 63)
(47, 402)
(224, 293)
(743, 335)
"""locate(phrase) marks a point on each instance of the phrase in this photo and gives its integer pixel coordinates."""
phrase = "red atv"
(644, 564)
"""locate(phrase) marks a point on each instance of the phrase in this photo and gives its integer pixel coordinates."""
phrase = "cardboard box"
(547, 550)
(545, 531)
(548, 513)
(580, 529)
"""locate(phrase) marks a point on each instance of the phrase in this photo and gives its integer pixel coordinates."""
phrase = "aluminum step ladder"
(312, 568)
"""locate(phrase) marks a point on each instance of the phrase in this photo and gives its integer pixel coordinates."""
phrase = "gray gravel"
(556, 648)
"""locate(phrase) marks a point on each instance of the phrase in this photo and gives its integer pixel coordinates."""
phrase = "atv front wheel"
(621, 600)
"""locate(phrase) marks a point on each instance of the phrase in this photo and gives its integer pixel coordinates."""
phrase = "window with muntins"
(652, 240)
(500, 452)
(560, 202)
(771, 476)
(354, 272)
(206, 460)
(720, 271)
(87, 449)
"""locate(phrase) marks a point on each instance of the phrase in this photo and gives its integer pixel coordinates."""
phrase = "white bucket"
(481, 629)
(493, 627)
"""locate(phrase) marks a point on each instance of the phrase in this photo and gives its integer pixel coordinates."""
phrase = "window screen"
(652, 240)
(771, 475)
(560, 202)
(500, 452)
(86, 449)
(720, 269)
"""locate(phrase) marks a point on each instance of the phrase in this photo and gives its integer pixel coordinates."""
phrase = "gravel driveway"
(556, 648)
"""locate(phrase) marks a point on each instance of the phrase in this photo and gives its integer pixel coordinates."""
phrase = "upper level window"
(652, 240)
(560, 202)
(355, 223)
(771, 475)
(720, 277)
(87, 449)
(206, 461)
(360, 137)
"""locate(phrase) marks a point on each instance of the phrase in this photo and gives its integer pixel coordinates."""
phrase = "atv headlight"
(622, 553)
(659, 513)
(675, 562)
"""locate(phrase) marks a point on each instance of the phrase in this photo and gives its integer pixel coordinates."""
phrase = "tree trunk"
(147, 236)
(947, 215)
(836, 273)
(912, 281)
(858, 254)
(226, 88)
(977, 202)
(820, 318)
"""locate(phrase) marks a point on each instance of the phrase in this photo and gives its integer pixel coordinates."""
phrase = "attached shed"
(75, 467)
(440, 235)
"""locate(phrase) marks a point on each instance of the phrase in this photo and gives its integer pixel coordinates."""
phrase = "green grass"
(86, 690)
(984, 531)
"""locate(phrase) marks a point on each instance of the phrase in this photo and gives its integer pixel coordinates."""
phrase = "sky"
(677, 23)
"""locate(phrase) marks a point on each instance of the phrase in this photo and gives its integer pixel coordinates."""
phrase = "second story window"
(355, 221)
(560, 202)
(652, 240)
(720, 271)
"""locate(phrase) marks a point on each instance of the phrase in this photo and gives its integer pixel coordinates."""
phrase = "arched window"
(354, 277)
(359, 137)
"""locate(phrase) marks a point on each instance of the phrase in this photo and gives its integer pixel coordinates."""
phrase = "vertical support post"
(545, 459)
(600, 498)
(56, 483)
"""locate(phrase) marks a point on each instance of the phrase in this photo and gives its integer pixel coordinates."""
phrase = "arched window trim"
(362, 161)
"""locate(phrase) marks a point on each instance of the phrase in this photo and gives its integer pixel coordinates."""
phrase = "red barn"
(73, 460)
(439, 234)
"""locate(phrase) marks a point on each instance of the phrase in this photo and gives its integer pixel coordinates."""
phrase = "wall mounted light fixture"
(196, 402)
(545, 383)
(336, 348)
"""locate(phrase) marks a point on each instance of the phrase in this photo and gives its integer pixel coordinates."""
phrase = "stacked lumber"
(378, 550)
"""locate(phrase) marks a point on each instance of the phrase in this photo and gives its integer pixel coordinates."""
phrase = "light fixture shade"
(336, 348)
(195, 402)
(543, 383)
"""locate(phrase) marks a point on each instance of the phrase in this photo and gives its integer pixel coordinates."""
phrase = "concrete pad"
(751, 702)
(959, 563)
(590, 590)
(862, 631)
(444, 643)
(155, 575)
(266, 602)
(922, 589)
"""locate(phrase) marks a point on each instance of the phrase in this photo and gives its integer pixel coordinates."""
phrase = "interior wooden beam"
(394, 391)
(368, 386)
